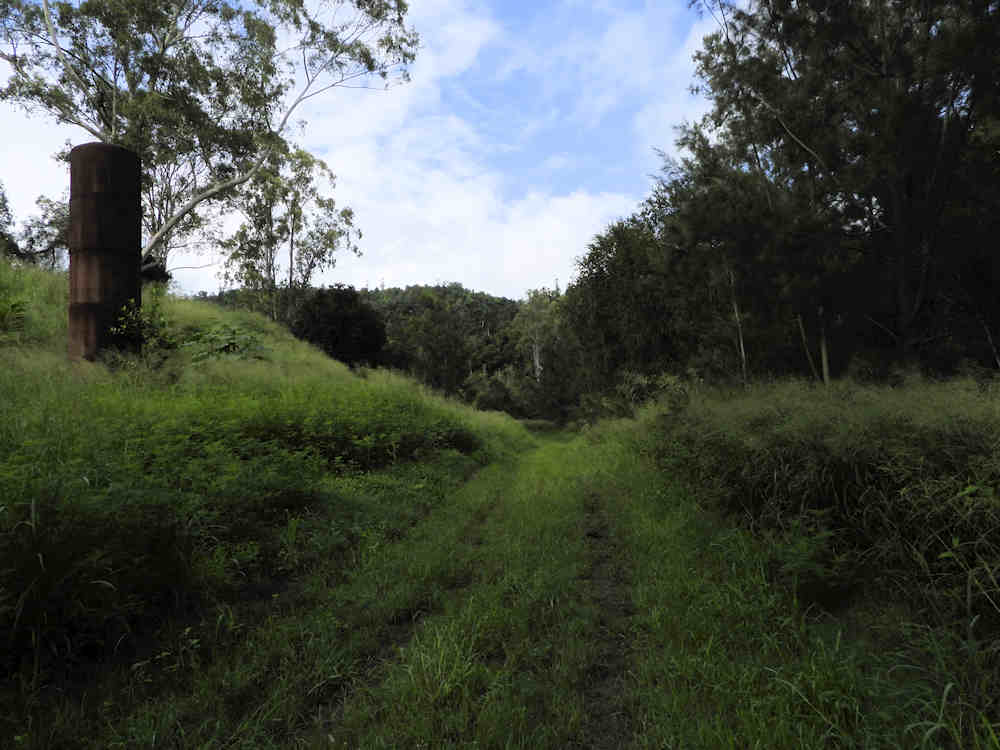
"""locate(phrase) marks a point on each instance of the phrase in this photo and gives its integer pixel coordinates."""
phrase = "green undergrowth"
(863, 494)
(505, 662)
(216, 467)
(33, 305)
(230, 540)
(252, 666)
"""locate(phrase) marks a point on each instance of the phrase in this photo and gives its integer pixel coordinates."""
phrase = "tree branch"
(777, 114)
(182, 268)
(101, 134)
(895, 337)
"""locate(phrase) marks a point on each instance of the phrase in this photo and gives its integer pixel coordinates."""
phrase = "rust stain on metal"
(105, 233)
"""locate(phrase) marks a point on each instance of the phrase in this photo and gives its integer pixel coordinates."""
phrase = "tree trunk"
(989, 337)
(823, 353)
(805, 346)
(536, 352)
(739, 328)
(291, 253)
(271, 250)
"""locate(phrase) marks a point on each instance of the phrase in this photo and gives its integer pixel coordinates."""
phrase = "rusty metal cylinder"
(105, 235)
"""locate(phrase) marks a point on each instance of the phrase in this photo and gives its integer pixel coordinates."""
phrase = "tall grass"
(867, 492)
(148, 487)
(33, 306)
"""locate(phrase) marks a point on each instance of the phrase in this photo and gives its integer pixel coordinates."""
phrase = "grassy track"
(598, 606)
(570, 596)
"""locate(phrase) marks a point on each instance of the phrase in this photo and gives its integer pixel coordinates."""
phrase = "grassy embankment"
(197, 507)
(785, 568)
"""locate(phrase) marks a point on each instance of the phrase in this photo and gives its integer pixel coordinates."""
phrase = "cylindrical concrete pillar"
(105, 234)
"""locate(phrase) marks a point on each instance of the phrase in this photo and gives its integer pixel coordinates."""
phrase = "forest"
(735, 485)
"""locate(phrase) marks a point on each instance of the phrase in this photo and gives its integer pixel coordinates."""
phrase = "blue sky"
(525, 129)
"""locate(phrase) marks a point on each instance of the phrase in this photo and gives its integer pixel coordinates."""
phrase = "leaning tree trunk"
(989, 337)
(824, 355)
(739, 328)
(805, 346)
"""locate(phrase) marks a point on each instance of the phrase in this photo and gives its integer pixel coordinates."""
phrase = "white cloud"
(27, 168)
(423, 178)
(654, 123)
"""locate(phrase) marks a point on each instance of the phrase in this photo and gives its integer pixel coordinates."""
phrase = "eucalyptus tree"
(535, 328)
(8, 245)
(196, 87)
(284, 206)
(44, 237)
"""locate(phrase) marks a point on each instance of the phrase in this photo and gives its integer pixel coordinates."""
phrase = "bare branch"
(185, 268)
(895, 336)
(191, 203)
(777, 114)
(101, 134)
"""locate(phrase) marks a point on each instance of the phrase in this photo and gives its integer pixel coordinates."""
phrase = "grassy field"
(234, 542)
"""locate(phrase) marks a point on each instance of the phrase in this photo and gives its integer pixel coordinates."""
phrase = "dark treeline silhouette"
(834, 212)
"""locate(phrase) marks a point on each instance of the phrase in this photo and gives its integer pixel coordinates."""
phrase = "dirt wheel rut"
(607, 582)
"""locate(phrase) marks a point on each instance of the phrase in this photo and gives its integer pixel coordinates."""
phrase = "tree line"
(834, 211)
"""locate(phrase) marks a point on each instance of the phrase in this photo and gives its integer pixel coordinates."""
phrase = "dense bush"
(33, 305)
(894, 487)
(337, 321)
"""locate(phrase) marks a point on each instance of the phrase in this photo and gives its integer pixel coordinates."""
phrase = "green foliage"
(223, 340)
(44, 238)
(338, 322)
(162, 497)
(883, 489)
(32, 305)
(8, 245)
(144, 326)
(275, 203)
(12, 318)
(444, 334)
(820, 215)
(492, 392)
(139, 75)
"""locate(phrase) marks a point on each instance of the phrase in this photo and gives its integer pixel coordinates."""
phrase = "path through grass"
(601, 607)
(571, 596)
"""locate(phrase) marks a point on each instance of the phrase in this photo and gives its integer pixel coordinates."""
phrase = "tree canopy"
(196, 87)
(837, 202)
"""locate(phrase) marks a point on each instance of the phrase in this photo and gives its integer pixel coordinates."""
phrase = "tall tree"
(866, 109)
(195, 87)
(44, 237)
(8, 245)
(535, 328)
(283, 209)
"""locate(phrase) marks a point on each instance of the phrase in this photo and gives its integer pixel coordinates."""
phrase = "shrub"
(144, 327)
(893, 485)
(223, 340)
(341, 324)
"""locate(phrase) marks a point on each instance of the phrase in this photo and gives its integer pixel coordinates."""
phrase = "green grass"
(145, 493)
(877, 507)
(233, 541)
